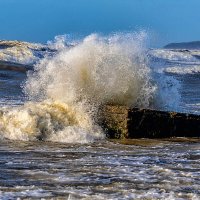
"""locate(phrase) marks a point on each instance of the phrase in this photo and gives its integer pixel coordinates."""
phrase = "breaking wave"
(49, 121)
(23, 52)
(66, 88)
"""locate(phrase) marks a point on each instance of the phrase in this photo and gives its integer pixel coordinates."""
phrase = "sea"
(51, 146)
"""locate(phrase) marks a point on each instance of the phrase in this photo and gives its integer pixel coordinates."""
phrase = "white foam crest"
(99, 70)
(172, 55)
(19, 52)
(183, 69)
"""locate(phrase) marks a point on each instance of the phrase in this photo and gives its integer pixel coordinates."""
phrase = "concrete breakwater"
(122, 122)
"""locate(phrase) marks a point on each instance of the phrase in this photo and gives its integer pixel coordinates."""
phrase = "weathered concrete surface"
(121, 122)
(114, 120)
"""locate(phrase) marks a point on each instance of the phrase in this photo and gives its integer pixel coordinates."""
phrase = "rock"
(121, 122)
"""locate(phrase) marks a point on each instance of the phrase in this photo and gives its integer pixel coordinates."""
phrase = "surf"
(66, 89)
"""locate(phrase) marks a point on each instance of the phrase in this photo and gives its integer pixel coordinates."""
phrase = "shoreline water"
(152, 169)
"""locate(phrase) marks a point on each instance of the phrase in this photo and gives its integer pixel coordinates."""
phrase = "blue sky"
(41, 20)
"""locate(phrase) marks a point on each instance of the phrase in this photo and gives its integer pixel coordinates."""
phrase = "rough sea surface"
(103, 170)
(50, 144)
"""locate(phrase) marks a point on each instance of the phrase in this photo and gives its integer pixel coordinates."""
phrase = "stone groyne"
(122, 122)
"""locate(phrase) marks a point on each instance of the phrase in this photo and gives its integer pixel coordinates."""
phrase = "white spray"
(99, 70)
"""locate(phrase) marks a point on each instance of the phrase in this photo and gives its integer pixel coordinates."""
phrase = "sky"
(41, 20)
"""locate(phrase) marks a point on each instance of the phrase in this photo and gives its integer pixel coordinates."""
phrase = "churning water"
(103, 170)
(51, 145)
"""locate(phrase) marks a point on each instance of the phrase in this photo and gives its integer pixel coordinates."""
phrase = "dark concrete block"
(122, 122)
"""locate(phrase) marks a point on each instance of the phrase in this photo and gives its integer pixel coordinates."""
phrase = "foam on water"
(150, 169)
(50, 121)
(176, 73)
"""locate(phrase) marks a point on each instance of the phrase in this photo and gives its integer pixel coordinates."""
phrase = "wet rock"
(114, 120)
(121, 122)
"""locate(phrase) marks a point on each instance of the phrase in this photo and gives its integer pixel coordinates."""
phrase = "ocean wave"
(66, 88)
(183, 69)
(71, 83)
(22, 52)
(174, 55)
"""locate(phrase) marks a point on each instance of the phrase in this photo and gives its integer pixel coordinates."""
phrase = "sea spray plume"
(99, 70)
(65, 90)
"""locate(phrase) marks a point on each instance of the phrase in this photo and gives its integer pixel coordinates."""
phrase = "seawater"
(103, 170)
(51, 143)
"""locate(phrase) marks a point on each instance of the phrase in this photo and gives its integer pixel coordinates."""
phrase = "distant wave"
(184, 45)
(22, 52)
(183, 70)
(173, 56)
